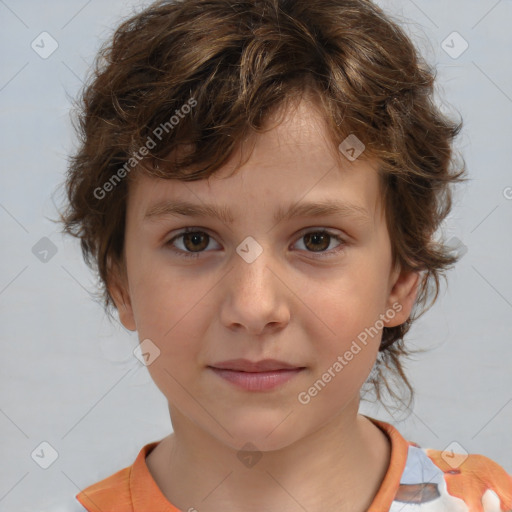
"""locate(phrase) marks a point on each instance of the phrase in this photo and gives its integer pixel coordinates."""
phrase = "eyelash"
(322, 254)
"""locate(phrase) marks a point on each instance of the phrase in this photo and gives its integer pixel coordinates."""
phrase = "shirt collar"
(399, 451)
(145, 491)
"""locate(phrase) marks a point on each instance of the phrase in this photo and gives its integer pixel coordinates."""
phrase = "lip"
(244, 365)
(257, 381)
(263, 375)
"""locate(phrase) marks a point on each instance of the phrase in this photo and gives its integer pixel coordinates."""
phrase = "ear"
(404, 286)
(119, 290)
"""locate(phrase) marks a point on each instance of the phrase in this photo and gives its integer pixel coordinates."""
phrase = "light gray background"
(69, 378)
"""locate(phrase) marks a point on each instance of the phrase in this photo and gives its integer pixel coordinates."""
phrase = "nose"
(255, 297)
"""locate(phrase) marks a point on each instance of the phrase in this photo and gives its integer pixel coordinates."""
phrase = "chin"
(267, 432)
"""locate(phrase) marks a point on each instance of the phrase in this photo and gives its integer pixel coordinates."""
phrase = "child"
(221, 141)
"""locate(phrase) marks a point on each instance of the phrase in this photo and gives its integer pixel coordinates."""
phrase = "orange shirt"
(417, 477)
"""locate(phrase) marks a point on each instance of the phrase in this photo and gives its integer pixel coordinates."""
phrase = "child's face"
(300, 301)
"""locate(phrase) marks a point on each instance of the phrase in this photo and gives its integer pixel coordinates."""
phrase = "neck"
(340, 465)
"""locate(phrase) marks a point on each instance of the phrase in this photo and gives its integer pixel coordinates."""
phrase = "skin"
(289, 304)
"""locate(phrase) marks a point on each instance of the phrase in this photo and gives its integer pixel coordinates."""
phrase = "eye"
(320, 239)
(194, 241)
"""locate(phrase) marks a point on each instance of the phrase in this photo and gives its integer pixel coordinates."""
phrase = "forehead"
(293, 161)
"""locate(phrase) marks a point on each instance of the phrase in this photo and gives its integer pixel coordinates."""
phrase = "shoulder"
(475, 478)
(120, 490)
(111, 491)
(448, 481)
(441, 480)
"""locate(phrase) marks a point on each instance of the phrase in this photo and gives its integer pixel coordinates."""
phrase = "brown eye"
(195, 241)
(317, 241)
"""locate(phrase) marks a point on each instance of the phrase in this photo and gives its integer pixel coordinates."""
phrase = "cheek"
(353, 336)
(172, 315)
(346, 349)
(344, 317)
(161, 294)
(349, 301)
(172, 311)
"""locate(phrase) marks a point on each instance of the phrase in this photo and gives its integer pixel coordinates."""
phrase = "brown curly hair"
(234, 62)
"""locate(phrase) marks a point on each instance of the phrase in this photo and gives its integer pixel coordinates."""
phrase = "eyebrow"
(303, 209)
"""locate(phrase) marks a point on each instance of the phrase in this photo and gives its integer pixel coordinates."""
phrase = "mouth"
(244, 365)
(263, 375)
